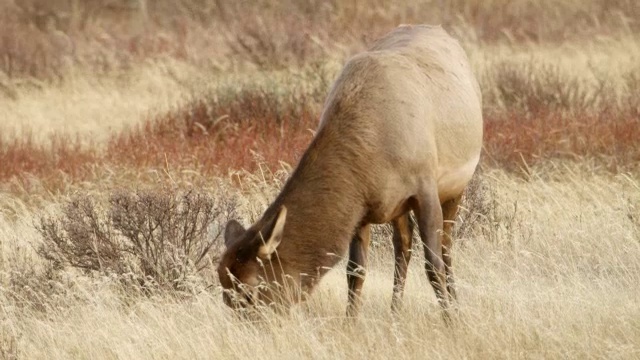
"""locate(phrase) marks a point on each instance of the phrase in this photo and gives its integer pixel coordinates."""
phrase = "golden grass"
(547, 265)
(94, 107)
(552, 273)
(579, 101)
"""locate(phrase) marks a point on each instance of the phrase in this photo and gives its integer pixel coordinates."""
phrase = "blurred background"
(254, 74)
(40, 38)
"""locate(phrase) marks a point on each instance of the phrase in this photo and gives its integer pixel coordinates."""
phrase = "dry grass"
(271, 122)
(49, 39)
(543, 279)
(223, 98)
(94, 107)
(535, 110)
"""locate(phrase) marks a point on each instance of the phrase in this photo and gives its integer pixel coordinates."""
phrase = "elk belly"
(452, 181)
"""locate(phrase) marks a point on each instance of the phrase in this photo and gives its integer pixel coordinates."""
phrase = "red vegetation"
(59, 158)
(611, 138)
(248, 128)
(211, 137)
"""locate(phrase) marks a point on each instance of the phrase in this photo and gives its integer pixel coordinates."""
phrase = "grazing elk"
(401, 130)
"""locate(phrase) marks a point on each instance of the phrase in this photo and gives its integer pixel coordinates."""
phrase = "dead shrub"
(158, 239)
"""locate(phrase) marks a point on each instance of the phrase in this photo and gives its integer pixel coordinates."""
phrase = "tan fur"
(401, 130)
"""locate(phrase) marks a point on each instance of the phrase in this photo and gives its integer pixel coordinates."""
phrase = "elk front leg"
(356, 268)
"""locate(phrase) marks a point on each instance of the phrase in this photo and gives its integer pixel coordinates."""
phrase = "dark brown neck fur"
(325, 204)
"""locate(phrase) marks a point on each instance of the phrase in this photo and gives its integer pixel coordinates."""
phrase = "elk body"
(401, 131)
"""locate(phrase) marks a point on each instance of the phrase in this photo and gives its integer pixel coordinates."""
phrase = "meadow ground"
(189, 112)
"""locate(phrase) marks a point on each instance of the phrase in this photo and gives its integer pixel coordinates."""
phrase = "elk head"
(249, 268)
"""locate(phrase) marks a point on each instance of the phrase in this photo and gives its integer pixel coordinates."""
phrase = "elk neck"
(325, 203)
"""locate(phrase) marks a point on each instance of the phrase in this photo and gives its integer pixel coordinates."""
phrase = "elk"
(401, 131)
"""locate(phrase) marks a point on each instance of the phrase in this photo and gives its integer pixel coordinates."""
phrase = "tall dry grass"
(551, 272)
(49, 39)
(540, 103)
(132, 97)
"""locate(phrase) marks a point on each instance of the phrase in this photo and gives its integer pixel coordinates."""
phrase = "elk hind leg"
(449, 212)
(429, 217)
(402, 241)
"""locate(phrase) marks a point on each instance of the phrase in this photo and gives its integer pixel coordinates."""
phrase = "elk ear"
(272, 234)
(232, 233)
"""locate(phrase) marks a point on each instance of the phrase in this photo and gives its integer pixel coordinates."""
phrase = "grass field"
(118, 117)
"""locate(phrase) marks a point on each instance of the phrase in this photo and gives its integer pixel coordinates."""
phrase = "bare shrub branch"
(160, 237)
